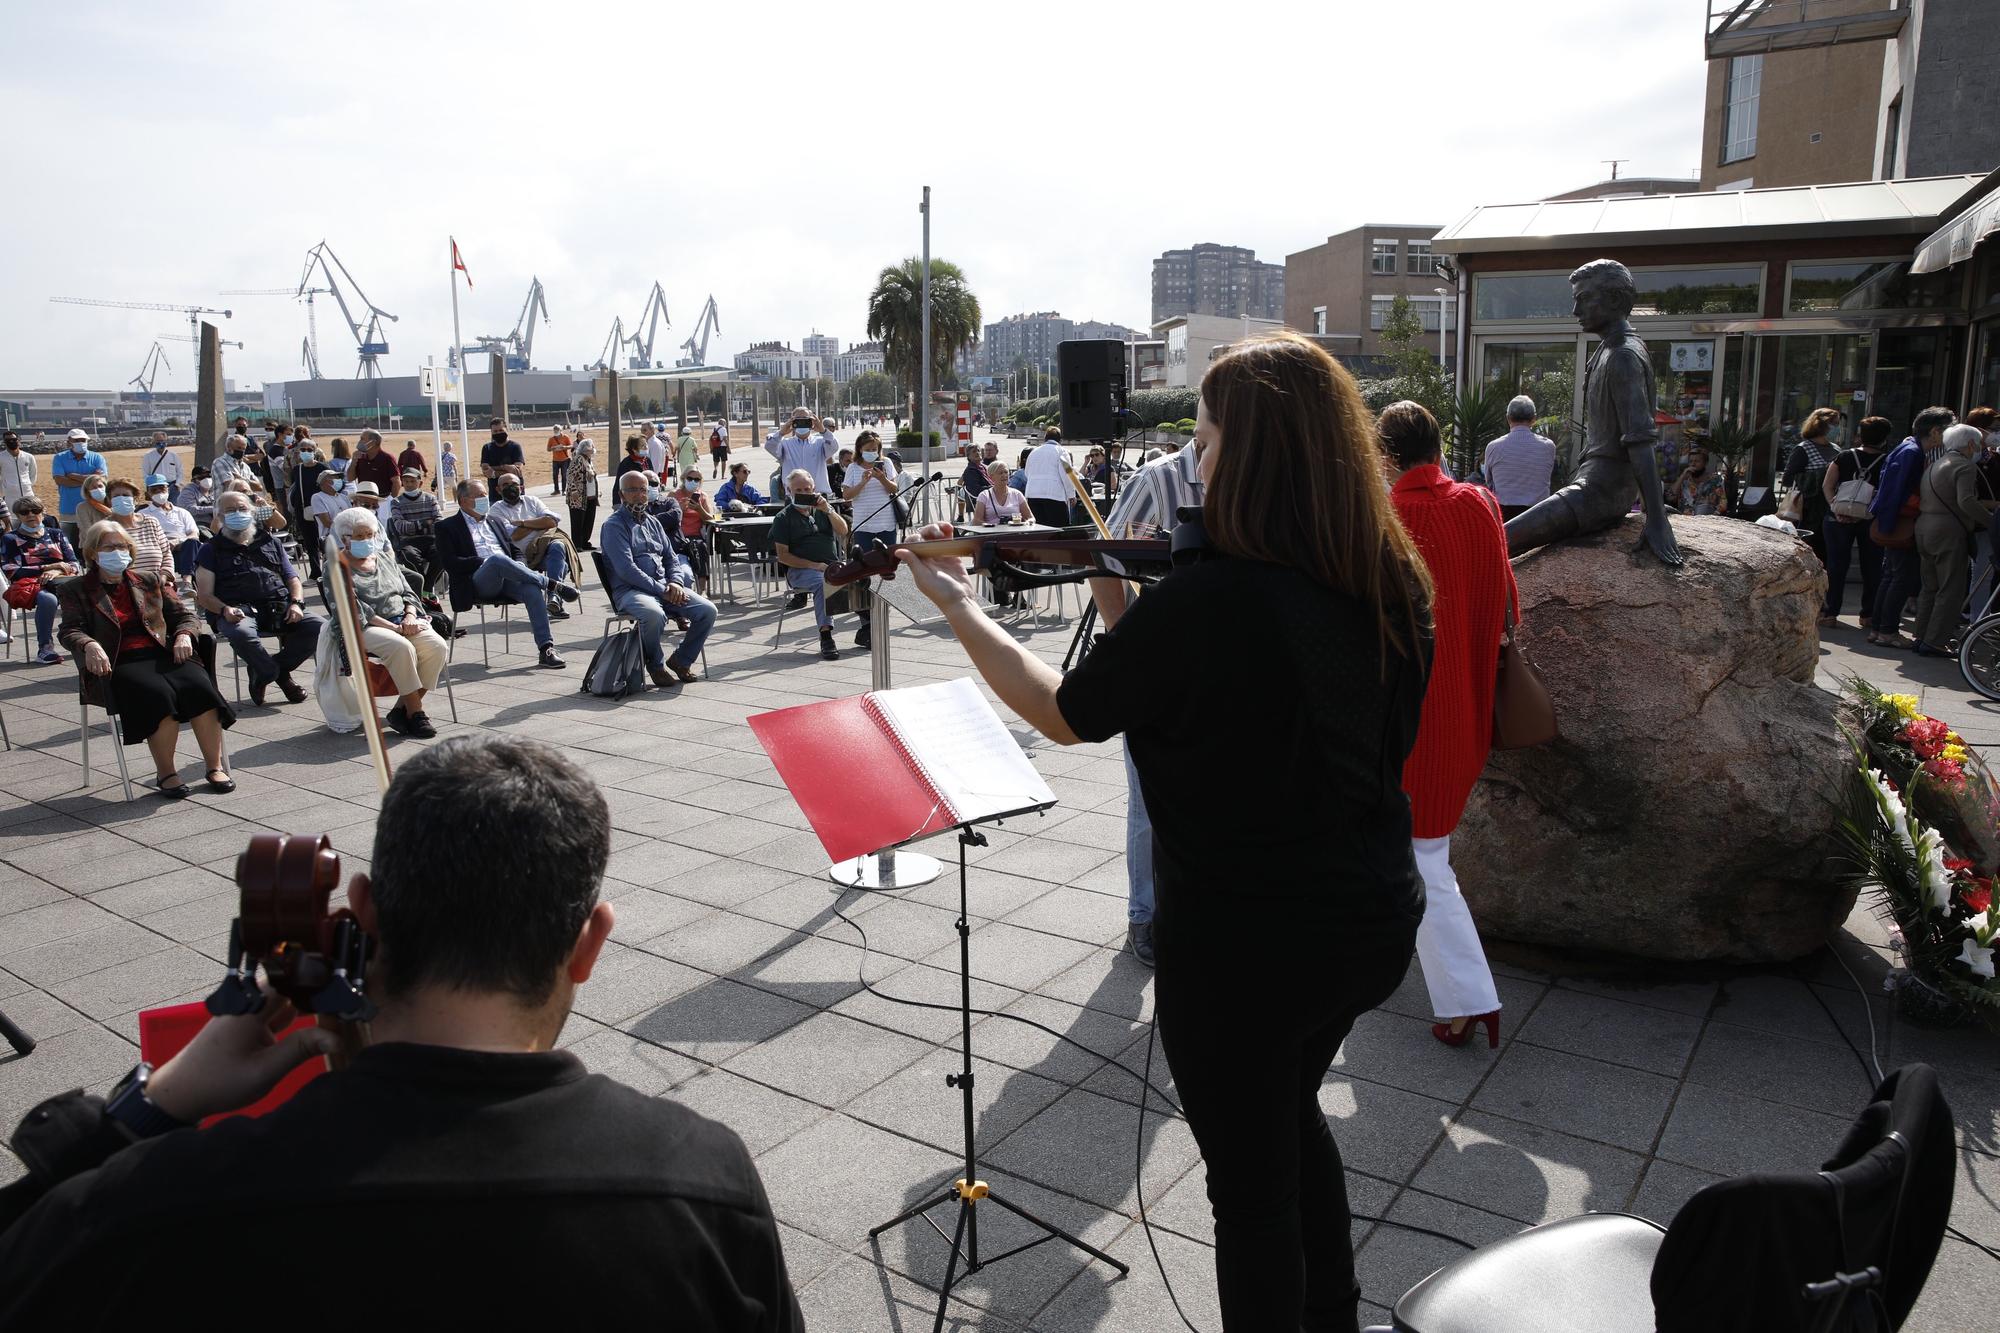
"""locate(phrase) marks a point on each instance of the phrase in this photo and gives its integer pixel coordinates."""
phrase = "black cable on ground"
(1872, 1059)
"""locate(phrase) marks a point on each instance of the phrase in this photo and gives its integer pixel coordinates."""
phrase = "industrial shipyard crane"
(516, 349)
(369, 341)
(311, 358)
(193, 312)
(156, 357)
(649, 320)
(614, 348)
(183, 338)
(697, 346)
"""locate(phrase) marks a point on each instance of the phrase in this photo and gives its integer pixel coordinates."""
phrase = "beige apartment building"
(1340, 292)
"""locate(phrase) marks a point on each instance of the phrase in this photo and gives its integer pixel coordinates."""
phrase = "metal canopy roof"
(1954, 242)
(1858, 208)
(1754, 27)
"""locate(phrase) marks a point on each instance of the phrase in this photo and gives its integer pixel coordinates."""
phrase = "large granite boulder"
(1688, 811)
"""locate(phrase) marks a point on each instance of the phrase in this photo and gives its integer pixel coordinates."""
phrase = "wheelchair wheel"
(1979, 656)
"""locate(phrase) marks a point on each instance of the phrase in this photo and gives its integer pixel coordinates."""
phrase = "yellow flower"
(1955, 752)
(1904, 704)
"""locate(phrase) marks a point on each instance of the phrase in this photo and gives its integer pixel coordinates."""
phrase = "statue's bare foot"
(1659, 537)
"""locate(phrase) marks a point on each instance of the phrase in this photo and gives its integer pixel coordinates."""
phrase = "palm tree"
(895, 315)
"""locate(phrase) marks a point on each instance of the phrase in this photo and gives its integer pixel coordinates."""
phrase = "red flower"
(1978, 895)
(1926, 736)
(1947, 771)
(1956, 864)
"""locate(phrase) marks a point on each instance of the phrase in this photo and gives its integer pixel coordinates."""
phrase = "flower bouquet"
(1923, 834)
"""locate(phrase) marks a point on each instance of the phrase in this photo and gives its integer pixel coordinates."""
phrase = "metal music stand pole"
(888, 868)
(968, 1190)
(19, 1040)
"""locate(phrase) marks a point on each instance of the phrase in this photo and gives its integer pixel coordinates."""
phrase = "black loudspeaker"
(1093, 387)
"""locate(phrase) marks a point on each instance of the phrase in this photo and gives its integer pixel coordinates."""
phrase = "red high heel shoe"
(1490, 1021)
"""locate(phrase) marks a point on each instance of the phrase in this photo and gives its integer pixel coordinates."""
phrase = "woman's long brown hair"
(1300, 481)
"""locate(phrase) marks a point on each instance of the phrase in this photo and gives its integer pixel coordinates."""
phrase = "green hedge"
(908, 444)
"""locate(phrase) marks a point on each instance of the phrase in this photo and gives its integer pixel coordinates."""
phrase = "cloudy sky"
(772, 154)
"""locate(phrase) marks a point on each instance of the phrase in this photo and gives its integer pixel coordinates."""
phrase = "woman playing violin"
(1288, 904)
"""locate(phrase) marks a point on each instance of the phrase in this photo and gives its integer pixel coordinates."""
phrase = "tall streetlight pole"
(924, 400)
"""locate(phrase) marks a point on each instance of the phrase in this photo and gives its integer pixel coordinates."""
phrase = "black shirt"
(1298, 802)
(497, 454)
(423, 1187)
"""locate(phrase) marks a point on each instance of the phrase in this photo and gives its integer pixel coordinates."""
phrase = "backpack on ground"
(618, 667)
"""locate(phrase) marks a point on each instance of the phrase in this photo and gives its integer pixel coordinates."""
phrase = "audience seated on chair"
(533, 534)
(149, 541)
(697, 512)
(394, 626)
(476, 552)
(806, 540)
(176, 524)
(651, 581)
(486, 1179)
(247, 585)
(412, 524)
(33, 554)
(134, 639)
(737, 495)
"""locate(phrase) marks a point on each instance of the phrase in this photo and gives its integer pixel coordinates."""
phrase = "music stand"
(19, 1040)
(887, 868)
(968, 1190)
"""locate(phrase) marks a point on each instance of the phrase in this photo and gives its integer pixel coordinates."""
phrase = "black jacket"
(455, 553)
(432, 1187)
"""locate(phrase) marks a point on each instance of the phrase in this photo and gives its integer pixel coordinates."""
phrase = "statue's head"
(1604, 293)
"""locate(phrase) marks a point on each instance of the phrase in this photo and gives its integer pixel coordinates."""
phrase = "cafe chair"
(1844, 1249)
(613, 617)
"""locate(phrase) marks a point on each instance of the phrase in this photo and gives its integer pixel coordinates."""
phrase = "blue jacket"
(1900, 473)
(640, 557)
(730, 491)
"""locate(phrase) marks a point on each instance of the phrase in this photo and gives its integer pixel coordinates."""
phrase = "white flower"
(1981, 927)
(1978, 959)
(1891, 805)
(1937, 880)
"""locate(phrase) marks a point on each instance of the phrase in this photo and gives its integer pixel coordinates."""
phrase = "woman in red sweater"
(1457, 528)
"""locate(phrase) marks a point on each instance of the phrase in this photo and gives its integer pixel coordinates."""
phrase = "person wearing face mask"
(250, 590)
(393, 624)
(151, 554)
(198, 497)
(651, 581)
(1948, 514)
(176, 524)
(232, 462)
(869, 486)
(329, 501)
(161, 460)
(303, 484)
(799, 448)
(32, 551)
(697, 512)
(580, 492)
(806, 539)
(74, 466)
(499, 452)
(17, 469)
(533, 535)
(635, 456)
(412, 526)
(136, 641)
(477, 555)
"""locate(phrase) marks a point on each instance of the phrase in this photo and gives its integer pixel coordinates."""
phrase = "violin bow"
(347, 609)
(1083, 494)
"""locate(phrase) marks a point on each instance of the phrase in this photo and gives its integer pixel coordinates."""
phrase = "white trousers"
(1448, 942)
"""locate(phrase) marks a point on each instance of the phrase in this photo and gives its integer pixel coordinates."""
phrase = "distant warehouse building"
(529, 392)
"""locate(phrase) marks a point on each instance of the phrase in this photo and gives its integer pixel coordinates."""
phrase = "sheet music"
(971, 759)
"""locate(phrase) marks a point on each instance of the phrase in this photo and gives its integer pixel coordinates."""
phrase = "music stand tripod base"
(889, 869)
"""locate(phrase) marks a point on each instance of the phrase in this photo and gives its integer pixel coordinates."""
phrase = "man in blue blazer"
(473, 549)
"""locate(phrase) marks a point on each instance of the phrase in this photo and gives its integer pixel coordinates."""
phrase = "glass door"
(1906, 377)
(1821, 370)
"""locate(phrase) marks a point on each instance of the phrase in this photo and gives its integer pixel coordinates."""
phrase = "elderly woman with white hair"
(580, 492)
(394, 626)
(1948, 514)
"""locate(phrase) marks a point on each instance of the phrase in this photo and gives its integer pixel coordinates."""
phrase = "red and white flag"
(458, 262)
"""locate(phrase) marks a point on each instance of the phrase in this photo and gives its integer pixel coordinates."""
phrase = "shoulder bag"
(1904, 535)
(1523, 713)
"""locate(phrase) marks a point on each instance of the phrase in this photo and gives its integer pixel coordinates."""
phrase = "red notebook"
(893, 766)
(163, 1031)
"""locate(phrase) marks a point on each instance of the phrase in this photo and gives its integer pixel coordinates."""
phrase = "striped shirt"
(1518, 466)
(150, 553)
(1149, 504)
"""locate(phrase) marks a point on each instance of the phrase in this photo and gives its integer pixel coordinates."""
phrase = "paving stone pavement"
(737, 983)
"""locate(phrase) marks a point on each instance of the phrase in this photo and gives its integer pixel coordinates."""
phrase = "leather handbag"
(1523, 713)
(1904, 535)
(22, 593)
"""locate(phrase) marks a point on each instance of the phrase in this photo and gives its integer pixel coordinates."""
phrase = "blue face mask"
(339, 485)
(481, 505)
(237, 520)
(28, 525)
(803, 432)
(114, 562)
(361, 548)
(122, 505)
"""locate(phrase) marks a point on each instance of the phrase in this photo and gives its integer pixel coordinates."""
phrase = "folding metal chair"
(613, 617)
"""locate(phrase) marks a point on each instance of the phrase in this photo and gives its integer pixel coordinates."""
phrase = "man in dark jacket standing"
(461, 1167)
(1901, 471)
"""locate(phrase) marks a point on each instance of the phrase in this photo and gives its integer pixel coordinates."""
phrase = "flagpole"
(457, 358)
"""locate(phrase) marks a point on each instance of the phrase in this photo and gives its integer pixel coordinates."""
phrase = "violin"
(311, 953)
(992, 550)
